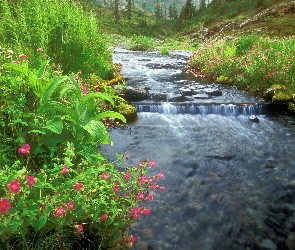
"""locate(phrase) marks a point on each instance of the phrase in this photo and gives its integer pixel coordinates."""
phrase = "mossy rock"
(273, 91)
(128, 111)
(282, 96)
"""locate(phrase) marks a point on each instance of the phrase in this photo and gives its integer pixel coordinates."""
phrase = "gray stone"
(268, 244)
(201, 96)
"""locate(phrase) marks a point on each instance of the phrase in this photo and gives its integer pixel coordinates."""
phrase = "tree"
(188, 10)
(128, 9)
(116, 11)
(158, 11)
(170, 12)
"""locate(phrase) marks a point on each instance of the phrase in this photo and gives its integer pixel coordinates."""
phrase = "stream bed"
(230, 182)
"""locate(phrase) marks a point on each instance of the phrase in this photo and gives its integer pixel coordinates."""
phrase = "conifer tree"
(116, 11)
(128, 9)
(158, 11)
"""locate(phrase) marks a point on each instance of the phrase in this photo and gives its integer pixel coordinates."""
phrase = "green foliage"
(57, 187)
(141, 43)
(250, 62)
(58, 29)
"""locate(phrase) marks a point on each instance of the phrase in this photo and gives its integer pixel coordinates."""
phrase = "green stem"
(23, 237)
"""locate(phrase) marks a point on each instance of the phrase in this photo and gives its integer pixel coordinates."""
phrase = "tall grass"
(61, 29)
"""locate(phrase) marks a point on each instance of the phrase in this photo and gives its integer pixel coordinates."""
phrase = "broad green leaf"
(55, 125)
(42, 69)
(16, 67)
(96, 129)
(112, 114)
(41, 222)
(54, 106)
(52, 87)
(94, 96)
(37, 131)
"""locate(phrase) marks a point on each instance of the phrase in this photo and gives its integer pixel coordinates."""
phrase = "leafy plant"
(141, 43)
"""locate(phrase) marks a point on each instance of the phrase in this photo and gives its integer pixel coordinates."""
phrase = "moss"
(282, 96)
(128, 111)
(97, 83)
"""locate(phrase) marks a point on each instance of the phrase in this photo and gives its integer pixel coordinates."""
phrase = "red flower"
(153, 163)
(60, 211)
(105, 176)
(132, 239)
(127, 176)
(71, 205)
(80, 228)
(31, 180)
(78, 186)
(103, 217)
(64, 169)
(24, 150)
(14, 186)
(4, 205)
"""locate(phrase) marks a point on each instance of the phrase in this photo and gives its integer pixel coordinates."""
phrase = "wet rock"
(158, 97)
(254, 118)
(201, 96)
(176, 98)
(213, 92)
(270, 164)
(186, 91)
(268, 244)
(135, 94)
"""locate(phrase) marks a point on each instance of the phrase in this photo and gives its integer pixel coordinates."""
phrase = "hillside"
(274, 20)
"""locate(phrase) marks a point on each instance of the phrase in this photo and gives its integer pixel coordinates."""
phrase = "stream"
(230, 181)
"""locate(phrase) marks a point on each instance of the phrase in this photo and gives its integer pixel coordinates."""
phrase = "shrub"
(141, 43)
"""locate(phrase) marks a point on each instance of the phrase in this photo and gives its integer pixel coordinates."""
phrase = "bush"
(141, 43)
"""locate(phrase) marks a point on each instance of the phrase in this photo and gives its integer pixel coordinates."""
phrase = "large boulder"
(136, 94)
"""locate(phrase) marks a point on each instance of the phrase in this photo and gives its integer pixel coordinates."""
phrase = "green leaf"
(16, 67)
(52, 87)
(58, 107)
(96, 129)
(42, 69)
(41, 222)
(55, 125)
(91, 96)
(112, 114)
(37, 131)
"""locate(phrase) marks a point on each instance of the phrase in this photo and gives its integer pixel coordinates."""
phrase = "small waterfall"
(218, 109)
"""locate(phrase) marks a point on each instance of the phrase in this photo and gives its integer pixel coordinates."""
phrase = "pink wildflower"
(23, 56)
(140, 164)
(162, 188)
(76, 77)
(39, 49)
(160, 174)
(60, 211)
(64, 169)
(16, 62)
(153, 163)
(24, 150)
(116, 188)
(127, 176)
(4, 205)
(141, 180)
(78, 186)
(132, 239)
(80, 228)
(31, 180)
(104, 176)
(140, 195)
(149, 197)
(71, 205)
(45, 55)
(146, 212)
(103, 217)
(14, 186)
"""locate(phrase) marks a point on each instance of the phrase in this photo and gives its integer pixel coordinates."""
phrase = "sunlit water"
(229, 182)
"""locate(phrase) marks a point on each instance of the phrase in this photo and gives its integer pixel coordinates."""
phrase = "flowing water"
(230, 182)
